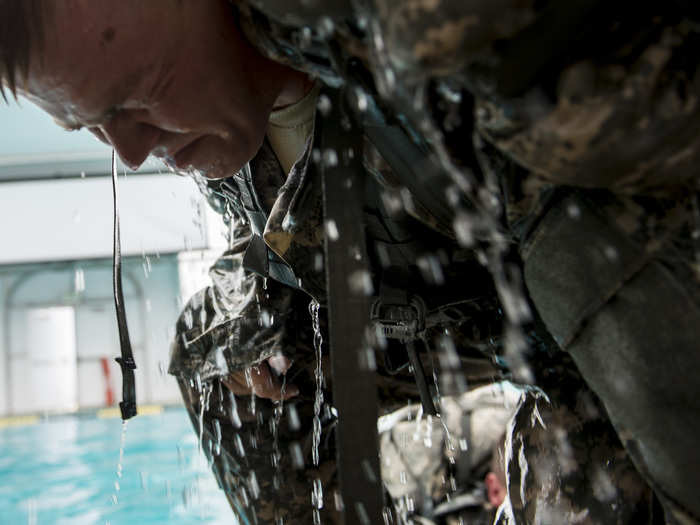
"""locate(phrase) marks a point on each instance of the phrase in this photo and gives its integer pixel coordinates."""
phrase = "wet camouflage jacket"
(583, 118)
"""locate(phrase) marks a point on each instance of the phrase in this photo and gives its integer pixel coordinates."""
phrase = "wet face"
(170, 77)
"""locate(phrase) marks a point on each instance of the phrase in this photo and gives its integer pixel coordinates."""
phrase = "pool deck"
(99, 413)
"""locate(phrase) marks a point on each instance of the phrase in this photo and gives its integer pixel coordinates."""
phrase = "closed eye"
(68, 126)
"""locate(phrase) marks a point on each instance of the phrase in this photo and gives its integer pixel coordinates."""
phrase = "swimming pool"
(63, 471)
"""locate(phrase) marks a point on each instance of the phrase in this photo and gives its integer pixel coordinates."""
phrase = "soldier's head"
(175, 78)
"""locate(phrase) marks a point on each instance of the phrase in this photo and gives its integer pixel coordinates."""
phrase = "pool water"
(63, 471)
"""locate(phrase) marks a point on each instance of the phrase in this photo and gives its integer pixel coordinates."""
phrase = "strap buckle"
(403, 322)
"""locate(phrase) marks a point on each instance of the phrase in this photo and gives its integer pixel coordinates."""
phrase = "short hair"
(21, 30)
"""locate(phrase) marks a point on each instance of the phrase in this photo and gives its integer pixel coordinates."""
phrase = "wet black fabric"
(628, 318)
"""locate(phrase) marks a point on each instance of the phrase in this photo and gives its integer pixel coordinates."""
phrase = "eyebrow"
(119, 90)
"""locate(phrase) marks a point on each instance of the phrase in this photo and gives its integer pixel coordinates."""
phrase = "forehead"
(95, 54)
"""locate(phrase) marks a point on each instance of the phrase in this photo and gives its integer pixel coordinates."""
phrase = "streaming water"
(274, 427)
(122, 443)
(204, 395)
(318, 374)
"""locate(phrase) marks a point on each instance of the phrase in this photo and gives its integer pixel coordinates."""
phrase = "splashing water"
(122, 443)
(249, 383)
(235, 418)
(480, 220)
(318, 374)
(274, 427)
(317, 500)
(204, 395)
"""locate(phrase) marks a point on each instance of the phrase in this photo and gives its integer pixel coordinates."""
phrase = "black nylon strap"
(426, 398)
(354, 383)
(126, 361)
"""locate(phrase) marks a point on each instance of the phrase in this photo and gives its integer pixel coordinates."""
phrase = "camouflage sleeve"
(260, 453)
(609, 118)
(441, 36)
(564, 461)
(238, 321)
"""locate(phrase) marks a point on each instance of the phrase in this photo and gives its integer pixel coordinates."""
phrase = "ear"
(495, 491)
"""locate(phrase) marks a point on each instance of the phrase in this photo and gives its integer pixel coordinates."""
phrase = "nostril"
(133, 141)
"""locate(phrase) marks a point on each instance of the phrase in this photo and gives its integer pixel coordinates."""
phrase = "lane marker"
(142, 410)
(18, 421)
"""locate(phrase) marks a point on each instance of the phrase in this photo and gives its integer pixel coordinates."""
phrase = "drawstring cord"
(126, 361)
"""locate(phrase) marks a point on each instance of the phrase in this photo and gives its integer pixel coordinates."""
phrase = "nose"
(132, 140)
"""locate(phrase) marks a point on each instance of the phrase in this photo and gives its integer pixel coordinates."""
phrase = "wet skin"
(171, 78)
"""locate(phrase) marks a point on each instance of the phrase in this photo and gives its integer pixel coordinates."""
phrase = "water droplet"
(369, 471)
(448, 356)
(332, 230)
(330, 158)
(324, 105)
(367, 359)
(362, 513)
(238, 444)
(296, 455)
(453, 195)
(188, 318)
(235, 418)
(305, 38)
(253, 485)
(361, 99)
(293, 418)
(431, 269)
(79, 281)
(317, 494)
(360, 282)
(338, 501)
(265, 318)
(611, 253)
(463, 227)
(573, 210)
(318, 262)
(392, 202)
(388, 516)
(325, 27)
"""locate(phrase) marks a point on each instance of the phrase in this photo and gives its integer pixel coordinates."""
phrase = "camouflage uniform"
(584, 123)
(261, 451)
(565, 463)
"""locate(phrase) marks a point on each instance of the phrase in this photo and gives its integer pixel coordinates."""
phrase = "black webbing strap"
(415, 168)
(126, 361)
(354, 382)
(426, 398)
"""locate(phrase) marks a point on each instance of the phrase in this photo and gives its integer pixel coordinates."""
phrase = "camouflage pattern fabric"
(261, 460)
(261, 451)
(565, 463)
(587, 137)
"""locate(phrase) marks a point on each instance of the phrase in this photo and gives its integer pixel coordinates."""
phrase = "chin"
(211, 170)
(218, 160)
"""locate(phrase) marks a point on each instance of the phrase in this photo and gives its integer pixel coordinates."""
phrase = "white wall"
(151, 289)
(72, 219)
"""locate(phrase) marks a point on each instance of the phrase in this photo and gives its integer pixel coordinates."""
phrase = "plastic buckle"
(403, 322)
